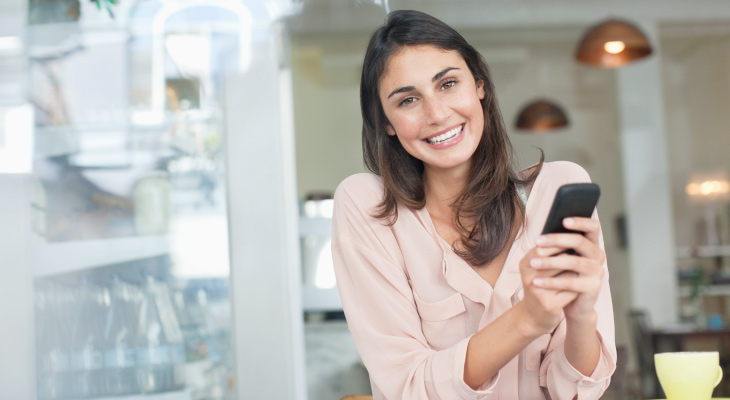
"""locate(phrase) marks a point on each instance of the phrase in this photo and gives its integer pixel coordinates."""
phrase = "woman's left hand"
(586, 266)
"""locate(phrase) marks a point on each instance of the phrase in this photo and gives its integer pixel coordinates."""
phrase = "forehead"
(412, 64)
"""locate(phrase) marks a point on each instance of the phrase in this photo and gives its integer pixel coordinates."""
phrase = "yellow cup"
(688, 375)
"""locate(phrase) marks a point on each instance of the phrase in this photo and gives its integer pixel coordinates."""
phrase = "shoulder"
(562, 172)
(364, 187)
(363, 191)
(555, 174)
(356, 203)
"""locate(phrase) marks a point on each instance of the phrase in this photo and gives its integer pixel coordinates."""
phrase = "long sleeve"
(562, 380)
(381, 310)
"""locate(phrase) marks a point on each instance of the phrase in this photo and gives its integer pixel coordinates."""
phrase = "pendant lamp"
(541, 116)
(611, 44)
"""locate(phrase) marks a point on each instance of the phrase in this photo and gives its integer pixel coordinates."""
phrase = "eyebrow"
(434, 79)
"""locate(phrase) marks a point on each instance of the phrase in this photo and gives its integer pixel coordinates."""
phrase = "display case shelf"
(703, 251)
(711, 290)
(177, 395)
(57, 258)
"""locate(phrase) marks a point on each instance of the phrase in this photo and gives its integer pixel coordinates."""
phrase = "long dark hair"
(486, 208)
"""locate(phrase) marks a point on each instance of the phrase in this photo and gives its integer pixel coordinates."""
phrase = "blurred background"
(167, 168)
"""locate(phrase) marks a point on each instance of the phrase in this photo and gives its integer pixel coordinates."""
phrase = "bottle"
(172, 335)
(46, 333)
(87, 340)
(120, 357)
(153, 356)
(62, 310)
(152, 205)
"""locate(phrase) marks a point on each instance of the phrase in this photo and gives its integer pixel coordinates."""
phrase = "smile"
(447, 136)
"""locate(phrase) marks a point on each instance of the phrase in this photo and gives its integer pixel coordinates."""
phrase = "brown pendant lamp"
(611, 44)
(541, 116)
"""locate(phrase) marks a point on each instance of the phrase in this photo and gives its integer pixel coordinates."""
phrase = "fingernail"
(538, 281)
(569, 222)
(541, 240)
(535, 262)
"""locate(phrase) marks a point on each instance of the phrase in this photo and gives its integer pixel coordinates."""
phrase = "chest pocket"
(444, 322)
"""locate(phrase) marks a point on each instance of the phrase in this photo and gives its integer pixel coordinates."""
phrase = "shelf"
(711, 290)
(57, 258)
(703, 251)
(177, 395)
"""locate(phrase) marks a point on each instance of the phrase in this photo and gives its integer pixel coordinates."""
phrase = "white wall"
(327, 118)
(696, 74)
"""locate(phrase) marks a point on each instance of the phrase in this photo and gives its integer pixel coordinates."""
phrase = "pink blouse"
(412, 304)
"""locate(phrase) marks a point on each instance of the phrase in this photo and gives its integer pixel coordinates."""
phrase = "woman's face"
(432, 103)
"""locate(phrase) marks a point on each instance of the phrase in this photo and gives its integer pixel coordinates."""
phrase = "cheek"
(472, 108)
(406, 126)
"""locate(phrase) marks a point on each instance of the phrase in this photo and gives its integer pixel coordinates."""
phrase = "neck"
(442, 186)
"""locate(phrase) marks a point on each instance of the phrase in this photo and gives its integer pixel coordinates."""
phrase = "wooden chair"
(641, 334)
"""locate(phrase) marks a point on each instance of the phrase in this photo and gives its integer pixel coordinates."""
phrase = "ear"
(480, 89)
(389, 129)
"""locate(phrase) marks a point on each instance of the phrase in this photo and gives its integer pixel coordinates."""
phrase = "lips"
(445, 137)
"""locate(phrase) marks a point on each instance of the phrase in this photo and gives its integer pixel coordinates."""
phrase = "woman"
(448, 288)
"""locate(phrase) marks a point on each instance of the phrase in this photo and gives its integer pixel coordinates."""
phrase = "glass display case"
(130, 217)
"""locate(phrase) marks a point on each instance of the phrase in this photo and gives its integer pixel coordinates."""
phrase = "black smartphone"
(571, 200)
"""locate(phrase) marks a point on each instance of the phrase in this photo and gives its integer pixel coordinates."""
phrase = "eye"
(448, 84)
(407, 101)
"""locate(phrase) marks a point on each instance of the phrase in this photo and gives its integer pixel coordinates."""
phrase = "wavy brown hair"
(489, 203)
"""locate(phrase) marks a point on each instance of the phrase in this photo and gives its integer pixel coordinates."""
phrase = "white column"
(648, 192)
(17, 336)
(265, 267)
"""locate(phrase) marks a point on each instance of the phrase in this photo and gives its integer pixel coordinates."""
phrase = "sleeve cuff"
(458, 375)
(597, 381)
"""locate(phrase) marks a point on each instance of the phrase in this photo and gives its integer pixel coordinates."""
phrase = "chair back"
(640, 326)
(641, 335)
(617, 388)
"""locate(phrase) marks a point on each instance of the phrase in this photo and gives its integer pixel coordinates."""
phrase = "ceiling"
(338, 16)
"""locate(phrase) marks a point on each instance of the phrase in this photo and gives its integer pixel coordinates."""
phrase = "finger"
(564, 297)
(579, 284)
(549, 251)
(581, 244)
(549, 273)
(564, 274)
(577, 264)
(554, 273)
(589, 226)
(555, 299)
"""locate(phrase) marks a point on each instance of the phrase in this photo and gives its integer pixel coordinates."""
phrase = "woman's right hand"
(542, 308)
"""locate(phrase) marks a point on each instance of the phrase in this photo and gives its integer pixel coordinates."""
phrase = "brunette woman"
(449, 289)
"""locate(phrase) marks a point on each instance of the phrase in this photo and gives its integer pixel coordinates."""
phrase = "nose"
(437, 111)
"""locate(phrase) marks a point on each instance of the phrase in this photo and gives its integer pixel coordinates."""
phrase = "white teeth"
(445, 136)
